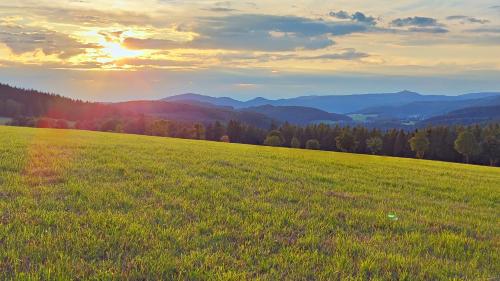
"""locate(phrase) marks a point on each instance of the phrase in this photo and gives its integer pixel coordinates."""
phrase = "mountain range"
(401, 109)
(467, 116)
(341, 104)
(385, 110)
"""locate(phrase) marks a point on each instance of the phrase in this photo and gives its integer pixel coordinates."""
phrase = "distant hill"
(396, 110)
(29, 103)
(23, 102)
(298, 114)
(428, 109)
(466, 116)
(195, 98)
(193, 112)
(342, 104)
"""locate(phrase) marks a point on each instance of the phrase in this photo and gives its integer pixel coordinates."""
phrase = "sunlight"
(117, 51)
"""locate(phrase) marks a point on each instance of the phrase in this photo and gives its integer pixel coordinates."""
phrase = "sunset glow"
(219, 42)
(117, 51)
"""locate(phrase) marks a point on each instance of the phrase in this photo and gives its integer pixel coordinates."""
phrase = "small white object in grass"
(392, 217)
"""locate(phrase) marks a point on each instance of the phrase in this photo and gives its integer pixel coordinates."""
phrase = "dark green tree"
(467, 145)
(234, 131)
(199, 130)
(346, 141)
(374, 145)
(274, 138)
(419, 144)
(295, 143)
(491, 148)
(273, 141)
(219, 131)
(313, 144)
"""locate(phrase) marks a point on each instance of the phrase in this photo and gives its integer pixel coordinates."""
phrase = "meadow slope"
(90, 205)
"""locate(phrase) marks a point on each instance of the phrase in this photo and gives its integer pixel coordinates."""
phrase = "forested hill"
(22, 102)
(465, 116)
(17, 102)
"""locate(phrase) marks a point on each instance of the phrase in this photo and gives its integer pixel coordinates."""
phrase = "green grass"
(101, 206)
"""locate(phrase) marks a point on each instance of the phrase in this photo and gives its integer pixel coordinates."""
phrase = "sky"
(115, 50)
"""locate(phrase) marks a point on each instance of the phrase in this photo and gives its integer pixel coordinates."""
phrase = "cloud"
(428, 29)
(270, 33)
(419, 24)
(21, 39)
(347, 54)
(343, 15)
(257, 32)
(220, 9)
(138, 44)
(415, 21)
(83, 16)
(358, 17)
(139, 62)
(463, 19)
(485, 30)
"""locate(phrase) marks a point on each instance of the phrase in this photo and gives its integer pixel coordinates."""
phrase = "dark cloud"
(111, 36)
(418, 24)
(297, 25)
(358, 17)
(21, 39)
(457, 17)
(220, 9)
(263, 41)
(347, 54)
(137, 44)
(343, 15)
(259, 33)
(415, 21)
(485, 30)
(223, 7)
(464, 19)
(428, 29)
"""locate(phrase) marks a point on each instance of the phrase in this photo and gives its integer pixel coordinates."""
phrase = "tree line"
(478, 144)
(15, 102)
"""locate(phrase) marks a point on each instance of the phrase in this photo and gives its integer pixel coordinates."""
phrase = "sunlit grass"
(90, 205)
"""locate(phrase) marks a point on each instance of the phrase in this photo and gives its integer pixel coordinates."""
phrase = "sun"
(116, 51)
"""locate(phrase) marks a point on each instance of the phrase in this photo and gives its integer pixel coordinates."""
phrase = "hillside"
(22, 102)
(298, 114)
(341, 104)
(428, 109)
(196, 98)
(192, 112)
(29, 103)
(87, 205)
(466, 116)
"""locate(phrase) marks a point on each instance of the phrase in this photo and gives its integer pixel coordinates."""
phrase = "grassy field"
(87, 205)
